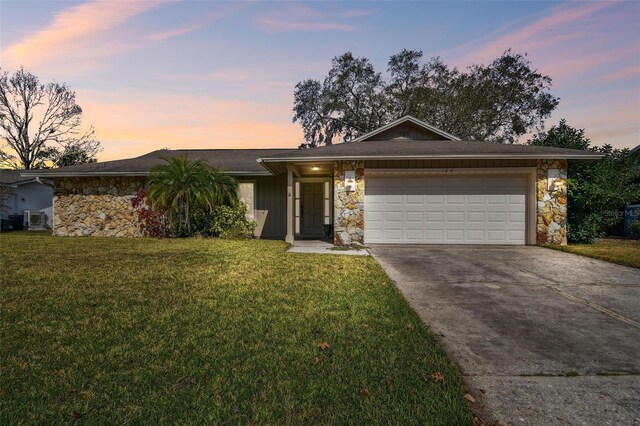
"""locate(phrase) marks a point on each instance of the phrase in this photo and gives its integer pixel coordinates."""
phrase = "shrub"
(634, 228)
(154, 223)
(231, 222)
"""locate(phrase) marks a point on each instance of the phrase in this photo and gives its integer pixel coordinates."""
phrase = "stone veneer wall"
(551, 222)
(99, 206)
(348, 206)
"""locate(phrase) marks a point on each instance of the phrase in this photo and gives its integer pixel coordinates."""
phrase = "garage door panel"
(416, 217)
(446, 209)
(476, 217)
(455, 217)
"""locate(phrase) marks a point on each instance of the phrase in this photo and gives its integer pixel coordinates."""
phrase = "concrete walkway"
(323, 247)
(541, 336)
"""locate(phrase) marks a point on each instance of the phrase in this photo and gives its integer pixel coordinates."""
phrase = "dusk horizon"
(212, 75)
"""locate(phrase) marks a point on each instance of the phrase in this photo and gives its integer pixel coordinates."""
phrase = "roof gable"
(407, 127)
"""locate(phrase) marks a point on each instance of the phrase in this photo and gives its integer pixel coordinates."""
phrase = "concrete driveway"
(542, 337)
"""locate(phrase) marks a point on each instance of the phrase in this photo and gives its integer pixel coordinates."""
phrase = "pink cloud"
(223, 12)
(298, 17)
(632, 71)
(356, 13)
(74, 28)
(561, 43)
(539, 33)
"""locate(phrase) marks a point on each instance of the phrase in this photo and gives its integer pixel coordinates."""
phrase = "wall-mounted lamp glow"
(553, 177)
(349, 180)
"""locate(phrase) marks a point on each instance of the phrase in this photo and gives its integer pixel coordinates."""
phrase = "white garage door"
(472, 209)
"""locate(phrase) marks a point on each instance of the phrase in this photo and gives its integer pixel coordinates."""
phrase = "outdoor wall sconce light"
(553, 178)
(349, 180)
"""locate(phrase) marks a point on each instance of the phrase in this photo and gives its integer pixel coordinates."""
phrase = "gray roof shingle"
(405, 148)
(234, 161)
(247, 161)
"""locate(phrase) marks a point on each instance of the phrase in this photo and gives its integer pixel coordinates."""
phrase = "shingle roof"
(12, 177)
(234, 161)
(404, 148)
(247, 161)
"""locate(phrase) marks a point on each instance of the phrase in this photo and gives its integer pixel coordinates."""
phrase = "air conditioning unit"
(34, 219)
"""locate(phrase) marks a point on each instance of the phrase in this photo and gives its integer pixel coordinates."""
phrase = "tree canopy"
(40, 124)
(498, 102)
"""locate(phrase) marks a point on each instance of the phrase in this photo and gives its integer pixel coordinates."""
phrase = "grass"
(104, 330)
(623, 252)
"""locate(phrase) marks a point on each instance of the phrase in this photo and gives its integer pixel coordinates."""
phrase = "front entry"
(311, 211)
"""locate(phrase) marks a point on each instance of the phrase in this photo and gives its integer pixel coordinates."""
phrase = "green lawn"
(103, 330)
(623, 252)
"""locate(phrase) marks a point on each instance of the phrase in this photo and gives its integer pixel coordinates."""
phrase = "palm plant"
(225, 187)
(182, 185)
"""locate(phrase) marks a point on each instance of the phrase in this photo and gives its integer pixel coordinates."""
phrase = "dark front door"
(311, 209)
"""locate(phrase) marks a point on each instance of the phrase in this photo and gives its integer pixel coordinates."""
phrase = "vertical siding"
(271, 205)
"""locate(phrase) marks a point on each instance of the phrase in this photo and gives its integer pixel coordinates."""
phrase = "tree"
(597, 190)
(349, 102)
(498, 102)
(40, 124)
(181, 186)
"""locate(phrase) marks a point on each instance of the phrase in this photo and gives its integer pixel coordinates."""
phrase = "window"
(247, 193)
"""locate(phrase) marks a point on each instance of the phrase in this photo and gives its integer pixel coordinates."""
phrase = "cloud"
(73, 28)
(356, 13)
(540, 33)
(561, 42)
(624, 73)
(223, 12)
(298, 17)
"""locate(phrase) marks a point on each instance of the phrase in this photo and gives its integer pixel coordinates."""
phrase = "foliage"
(598, 190)
(56, 139)
(498, 102)
(154, 222)
(70, 156)
(634, 228)
(196, 331)
(5, 192)
(185, 188)
(231, 222)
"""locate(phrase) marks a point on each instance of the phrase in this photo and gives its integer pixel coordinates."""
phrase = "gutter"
(437, 157)
(267, 166)
(122, 174)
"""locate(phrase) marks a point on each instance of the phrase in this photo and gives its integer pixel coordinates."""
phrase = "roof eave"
(126, 174)
(412, 119)
(438, 157)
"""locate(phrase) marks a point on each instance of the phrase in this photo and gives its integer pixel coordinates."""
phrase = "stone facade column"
(551, 214)
(348, 227)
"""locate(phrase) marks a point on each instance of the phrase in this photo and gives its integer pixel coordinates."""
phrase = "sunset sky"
(208, 74)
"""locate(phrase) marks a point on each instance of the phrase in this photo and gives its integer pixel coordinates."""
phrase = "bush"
(153, 223)
(634, 228)
(586, 230)
(231, 222)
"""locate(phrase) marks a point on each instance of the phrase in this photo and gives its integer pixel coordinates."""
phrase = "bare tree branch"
(41, 124)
